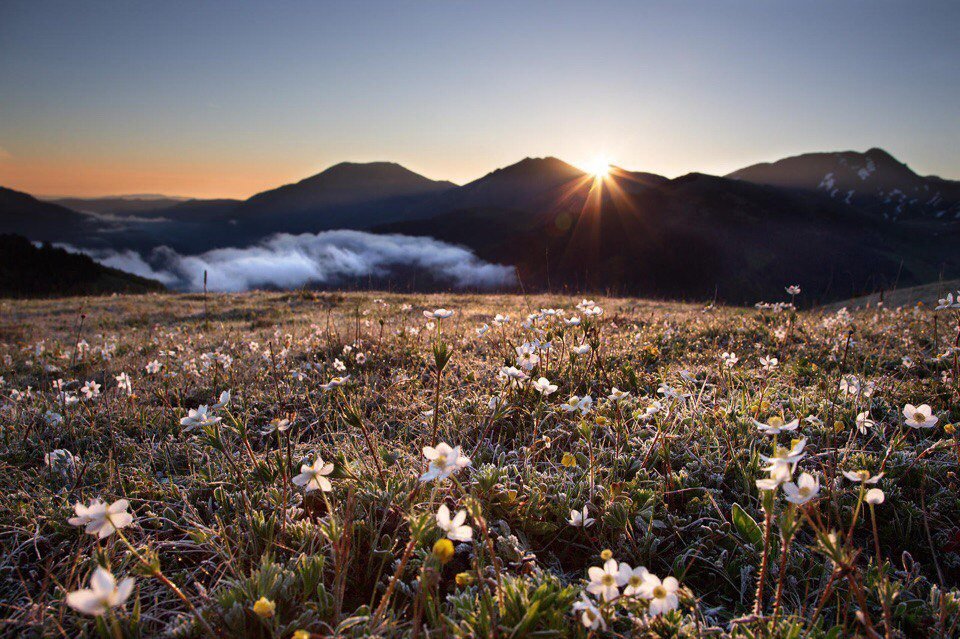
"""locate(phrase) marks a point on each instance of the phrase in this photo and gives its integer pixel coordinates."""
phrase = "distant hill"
(926, 294)
(41, 221)
(347, 195)
(519, 186)
(119, 205)
(691, 237)
(29, 271)
(838, 224)
(873, 181)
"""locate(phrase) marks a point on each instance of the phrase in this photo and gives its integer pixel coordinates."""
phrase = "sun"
(598, 167)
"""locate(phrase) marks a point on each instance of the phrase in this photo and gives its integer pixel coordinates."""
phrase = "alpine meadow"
(485, 319)
(314, 464)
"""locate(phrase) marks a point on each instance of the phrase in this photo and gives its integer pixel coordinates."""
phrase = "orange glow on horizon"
(67, 178)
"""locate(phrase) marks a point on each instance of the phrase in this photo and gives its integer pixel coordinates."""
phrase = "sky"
(225, 99)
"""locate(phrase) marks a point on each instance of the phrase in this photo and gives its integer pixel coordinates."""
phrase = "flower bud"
(443, 550)
(264, 608)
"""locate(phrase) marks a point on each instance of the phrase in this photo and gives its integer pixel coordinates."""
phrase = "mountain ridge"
(739, 235)
(873, 180)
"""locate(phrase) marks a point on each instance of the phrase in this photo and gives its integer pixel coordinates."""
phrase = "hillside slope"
(30, 271)
(873, 181)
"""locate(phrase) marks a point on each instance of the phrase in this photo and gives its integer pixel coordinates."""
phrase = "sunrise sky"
(225, 99)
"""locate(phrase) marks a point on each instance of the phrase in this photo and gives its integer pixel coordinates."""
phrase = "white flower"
(769, 363)
(313, 476)
(104, 593)
(512, 374)
(662, 594)
(200, 416)
(806, 488)
(617, 395)
(501, 319)
(224, 400)
(875, 496)
(775, 426)
(153, 367)
(91, 389)
(605, 582)
(582, 349)
(632, 578)
(580, 518)
(793, 290)
(948, 302)
(782, 462)
(482, 330)
(590, 615)
(864, 422)
(919, 416)
(101, 519)
(729, 359)
(454, 528)
(862, 476)
(124, 383)
(334, 383)
(544, 387)
(527, 359)
(440, 313)
(575, 403)
(850, 385)
(444, 461)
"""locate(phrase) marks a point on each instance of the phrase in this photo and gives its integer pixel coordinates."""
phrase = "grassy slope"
(213, 513)
(926, 294)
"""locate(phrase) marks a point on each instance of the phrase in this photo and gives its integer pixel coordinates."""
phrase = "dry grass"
(218, 518)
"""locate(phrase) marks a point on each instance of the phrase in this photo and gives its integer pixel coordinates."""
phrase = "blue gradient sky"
(226, 99)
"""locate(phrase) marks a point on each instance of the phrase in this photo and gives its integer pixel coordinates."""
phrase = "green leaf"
(746, 525)
(520, 630)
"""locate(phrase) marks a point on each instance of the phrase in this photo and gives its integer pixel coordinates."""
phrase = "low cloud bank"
(329, 258)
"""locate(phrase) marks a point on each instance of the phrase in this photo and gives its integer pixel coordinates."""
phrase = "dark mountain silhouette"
(199, 210)
(122, 205)
(873, 181)
(694, 236)
(40, 221)
(521, 185)
(347, 195)
(30, 271)
(742, 237)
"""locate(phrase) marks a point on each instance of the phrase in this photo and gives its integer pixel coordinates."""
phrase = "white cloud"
(329, 258)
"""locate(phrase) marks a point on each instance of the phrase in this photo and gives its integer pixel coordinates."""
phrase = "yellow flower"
(443, 550)
(569, 460)
(264, 608)
(950, 429)
(606, 554)
(301, 634)
(464, 579)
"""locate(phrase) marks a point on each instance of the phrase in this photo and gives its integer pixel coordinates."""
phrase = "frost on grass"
(297, 465)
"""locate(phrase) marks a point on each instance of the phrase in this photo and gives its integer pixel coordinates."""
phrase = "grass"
(225, 543)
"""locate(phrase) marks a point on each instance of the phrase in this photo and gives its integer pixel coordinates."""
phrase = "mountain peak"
(544, 165)
(873, 180)
(353, 173)
(348, 183)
